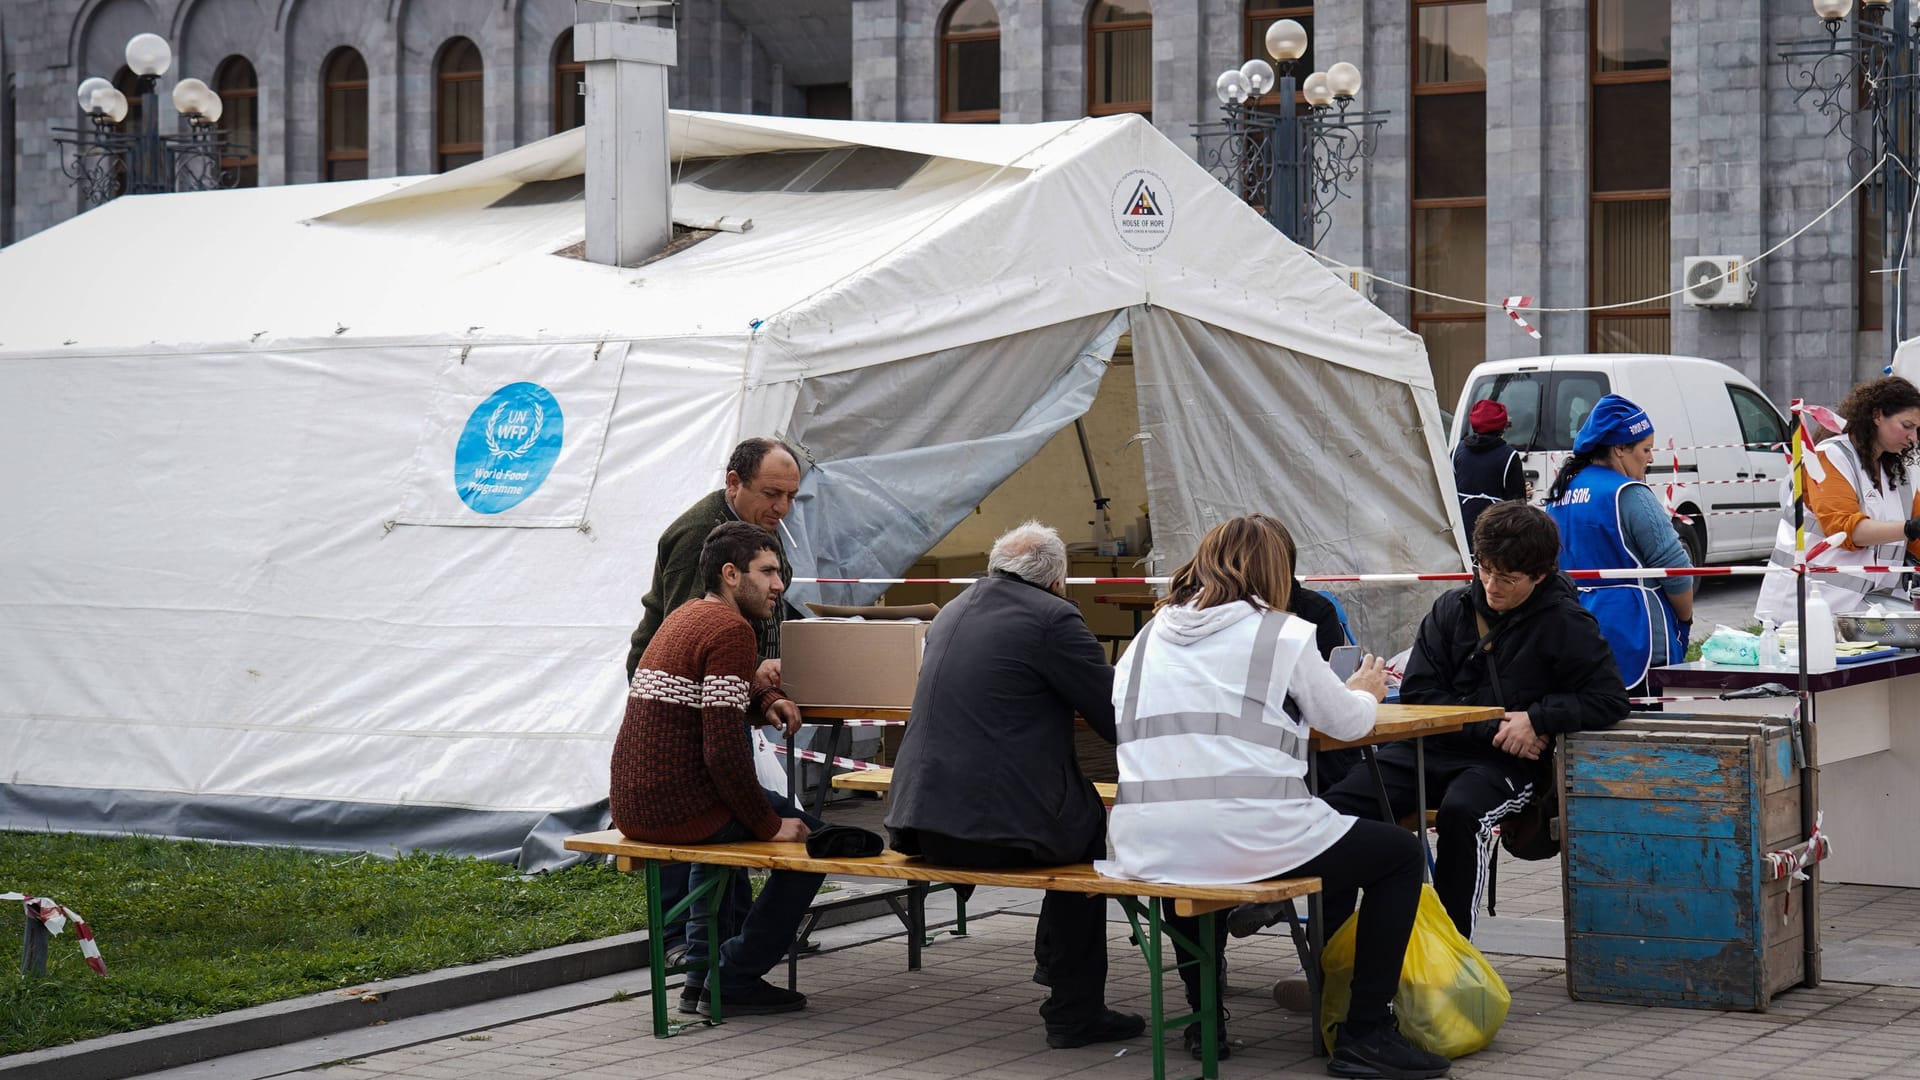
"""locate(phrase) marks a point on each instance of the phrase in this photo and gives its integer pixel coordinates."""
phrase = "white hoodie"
(1212, 769)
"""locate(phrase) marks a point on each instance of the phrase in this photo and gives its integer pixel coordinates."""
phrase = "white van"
(1728, 439)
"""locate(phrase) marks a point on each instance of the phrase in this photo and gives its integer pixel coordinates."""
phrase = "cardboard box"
(833, 662)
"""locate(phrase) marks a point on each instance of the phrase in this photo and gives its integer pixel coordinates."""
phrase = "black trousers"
(1070, 941)
(1471, 791)
(1379, 859)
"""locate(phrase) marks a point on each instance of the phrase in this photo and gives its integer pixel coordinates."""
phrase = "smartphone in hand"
(1345, 661)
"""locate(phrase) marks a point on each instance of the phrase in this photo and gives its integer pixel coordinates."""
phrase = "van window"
(1521, 392)
(1574, 394)
(1562, 398)
(1760, 426)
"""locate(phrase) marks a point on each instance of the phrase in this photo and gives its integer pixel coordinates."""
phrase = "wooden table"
(1394, 722)
(1136, 603)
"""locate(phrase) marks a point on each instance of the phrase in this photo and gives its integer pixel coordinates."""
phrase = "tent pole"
(1102, 528)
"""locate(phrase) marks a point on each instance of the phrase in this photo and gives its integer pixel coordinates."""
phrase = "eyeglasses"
(1503, 580)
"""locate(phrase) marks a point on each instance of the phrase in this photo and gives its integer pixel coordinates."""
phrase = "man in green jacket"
(762, 479)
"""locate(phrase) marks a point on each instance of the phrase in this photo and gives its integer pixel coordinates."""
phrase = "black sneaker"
(1382, 1051)
(1223, 1047)
(1249, 919)
(1109, 1027)
(758, 998)
(677, 954)
(691, 998)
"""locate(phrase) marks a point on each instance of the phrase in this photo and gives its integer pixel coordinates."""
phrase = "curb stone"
(165, 1046)
(114, 1057)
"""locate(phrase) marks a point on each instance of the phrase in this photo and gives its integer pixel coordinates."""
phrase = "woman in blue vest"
(1610, 519)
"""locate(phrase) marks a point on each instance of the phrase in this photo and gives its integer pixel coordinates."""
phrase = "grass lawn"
(188, 929)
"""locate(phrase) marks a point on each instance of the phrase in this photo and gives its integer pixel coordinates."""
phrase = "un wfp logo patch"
(508, 447)
(1142, 210)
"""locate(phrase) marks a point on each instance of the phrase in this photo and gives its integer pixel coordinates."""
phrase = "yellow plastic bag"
(1451, 1002)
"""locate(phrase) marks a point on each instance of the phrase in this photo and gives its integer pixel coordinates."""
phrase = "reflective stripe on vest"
(1249, 726)
(1856, 585)
(1845, 458)
(1201, 788)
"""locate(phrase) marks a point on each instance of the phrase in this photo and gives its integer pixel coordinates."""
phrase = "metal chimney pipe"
(629, 190)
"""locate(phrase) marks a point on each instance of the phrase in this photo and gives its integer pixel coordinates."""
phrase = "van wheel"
(1693, 538)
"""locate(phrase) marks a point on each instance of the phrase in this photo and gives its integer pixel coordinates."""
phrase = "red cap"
(1487, 416)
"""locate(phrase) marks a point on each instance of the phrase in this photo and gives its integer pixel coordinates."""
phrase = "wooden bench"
(1135, 897)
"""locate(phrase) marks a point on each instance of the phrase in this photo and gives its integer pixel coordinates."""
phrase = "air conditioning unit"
(1358, 278)
(1716, 281)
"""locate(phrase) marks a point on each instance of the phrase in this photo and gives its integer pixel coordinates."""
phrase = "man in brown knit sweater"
(683, 764)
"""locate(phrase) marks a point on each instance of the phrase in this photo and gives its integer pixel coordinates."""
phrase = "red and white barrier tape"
(1822, 415)
(1711, 483)
(1709, 697)
(1698, 446)
(1793, 862)
(55, 916)
(1671, 508)
(815, 755)
(1510, 306)
(1629, 572)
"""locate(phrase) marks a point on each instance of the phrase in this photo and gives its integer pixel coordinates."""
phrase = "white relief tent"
(331, 506)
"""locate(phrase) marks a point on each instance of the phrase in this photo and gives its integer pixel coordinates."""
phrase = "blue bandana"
(1614, 421)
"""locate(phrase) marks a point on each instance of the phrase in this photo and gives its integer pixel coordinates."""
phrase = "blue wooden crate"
(1667, 822)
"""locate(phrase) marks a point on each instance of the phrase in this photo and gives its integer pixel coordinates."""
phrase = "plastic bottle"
(1817, 632)
(1769, 645)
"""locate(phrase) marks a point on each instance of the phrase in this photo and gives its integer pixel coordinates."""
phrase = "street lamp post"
(105, 162)
(1866, 81)
(1291, 165)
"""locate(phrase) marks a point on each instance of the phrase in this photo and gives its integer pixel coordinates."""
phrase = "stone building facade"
(1573, 150)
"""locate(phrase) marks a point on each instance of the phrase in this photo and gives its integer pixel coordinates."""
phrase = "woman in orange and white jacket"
(1858, 484)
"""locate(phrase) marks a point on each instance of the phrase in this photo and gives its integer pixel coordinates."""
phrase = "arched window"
(970, 63)
(1120, 58)
(1629, 229)
(239, 94)
(569, 85)
(1264, 13)
(343, 120)
(459, 108)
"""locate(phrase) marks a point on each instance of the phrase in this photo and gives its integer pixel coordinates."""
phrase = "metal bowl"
(1901, 628)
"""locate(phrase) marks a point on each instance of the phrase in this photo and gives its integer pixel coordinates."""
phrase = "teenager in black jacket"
(1518, 638)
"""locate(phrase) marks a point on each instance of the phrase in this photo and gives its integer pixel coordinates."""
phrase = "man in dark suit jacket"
(986, 777)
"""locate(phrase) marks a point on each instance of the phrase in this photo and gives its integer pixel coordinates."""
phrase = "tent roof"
(471, 255)
(247, 572)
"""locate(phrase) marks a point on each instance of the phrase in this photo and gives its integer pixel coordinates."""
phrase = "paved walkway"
(972, 1012)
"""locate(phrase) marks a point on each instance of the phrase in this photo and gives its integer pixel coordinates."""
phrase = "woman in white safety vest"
(1858, 483)
(1214, 702)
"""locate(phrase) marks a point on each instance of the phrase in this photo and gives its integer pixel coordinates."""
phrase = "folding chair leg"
(701, 903)
(1149, 937)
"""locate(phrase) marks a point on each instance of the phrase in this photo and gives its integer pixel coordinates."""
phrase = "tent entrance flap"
(1253, 427)
(902, 452)
(513, 437)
